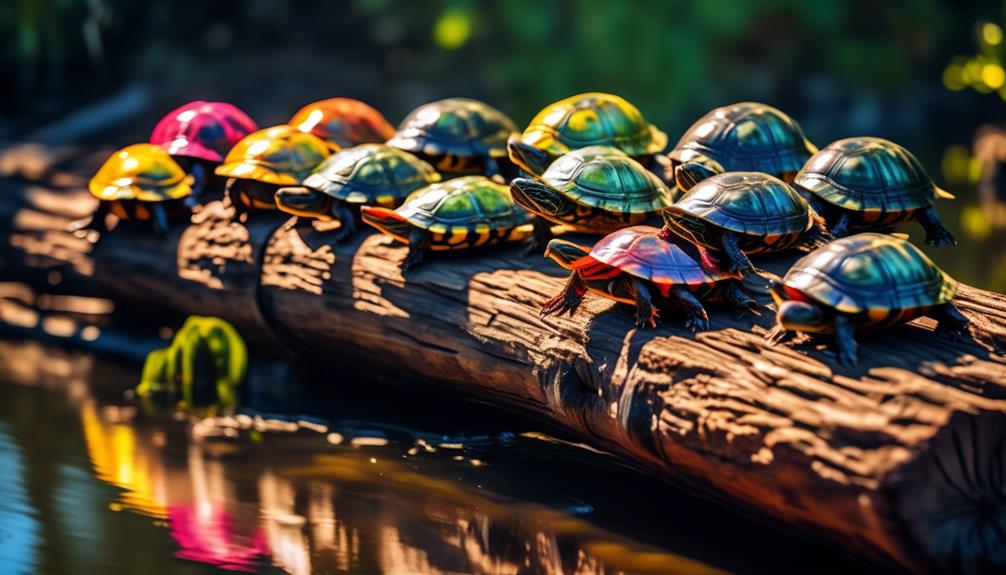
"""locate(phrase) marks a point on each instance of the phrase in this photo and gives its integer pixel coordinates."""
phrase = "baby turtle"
(368, 174)
(143, 183)
(267, 160)
(199, 134)
(743, 213)
(591, 119)
(635, 266)
(598, 189)
(864, 282)
(457, 214)
(343, 122)
(457, 136)
(872, 184)
(743, 137)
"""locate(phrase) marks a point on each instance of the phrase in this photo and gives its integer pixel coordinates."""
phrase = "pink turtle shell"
(641, 252)
(204, 130)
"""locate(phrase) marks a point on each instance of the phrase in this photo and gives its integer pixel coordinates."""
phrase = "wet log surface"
(902, 459)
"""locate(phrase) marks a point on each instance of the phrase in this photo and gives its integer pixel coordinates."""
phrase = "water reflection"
(255, 493)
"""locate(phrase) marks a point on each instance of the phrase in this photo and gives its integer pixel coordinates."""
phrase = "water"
(91, 482)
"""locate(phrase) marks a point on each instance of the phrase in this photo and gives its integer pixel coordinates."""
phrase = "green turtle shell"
(606, 178)
(871, 272)
(456, 126)
(639, 251)
(371, 174)
(747, 137)
(466, 202)
(868, 174)
(748, 203)
(592, 119)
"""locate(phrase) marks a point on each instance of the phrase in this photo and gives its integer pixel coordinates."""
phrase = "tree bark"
(902, 459)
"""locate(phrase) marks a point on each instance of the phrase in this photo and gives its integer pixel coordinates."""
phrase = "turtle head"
(797, 314)
(696, 169)
(565, 253)
(388, 221)
(531, 158)
(302, 201)
(538, 197)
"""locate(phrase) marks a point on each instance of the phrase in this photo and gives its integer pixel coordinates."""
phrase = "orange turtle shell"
(344, 122)
(281, 155)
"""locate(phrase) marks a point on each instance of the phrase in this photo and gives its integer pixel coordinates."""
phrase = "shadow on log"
(901, 459)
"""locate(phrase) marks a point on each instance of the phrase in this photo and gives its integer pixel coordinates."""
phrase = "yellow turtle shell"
(142, 172)
(593, 119)
(281, 155)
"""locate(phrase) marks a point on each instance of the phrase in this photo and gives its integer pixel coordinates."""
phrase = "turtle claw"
(696, 323)
(950, 331)
(777, 335)
(559, 305)
(940, 237)
(847, 357)
(644, 317)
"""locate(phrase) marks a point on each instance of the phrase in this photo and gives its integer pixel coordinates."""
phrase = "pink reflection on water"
(208, 535)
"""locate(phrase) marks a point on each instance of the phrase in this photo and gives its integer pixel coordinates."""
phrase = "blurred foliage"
(202, 368)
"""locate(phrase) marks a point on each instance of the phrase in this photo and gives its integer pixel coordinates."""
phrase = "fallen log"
(902, 459)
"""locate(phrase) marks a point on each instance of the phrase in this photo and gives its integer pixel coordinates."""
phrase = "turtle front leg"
(159, 219)
(696, 318)
(845, 341)
(778, 334)
(569, 298)
(740, 300)
(951, 323)
(419, 242)
(347, 221)
(541, 235)
(936, 234)
(739, 261)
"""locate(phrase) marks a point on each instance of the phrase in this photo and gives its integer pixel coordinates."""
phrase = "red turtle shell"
(641, 252)
(204, 130)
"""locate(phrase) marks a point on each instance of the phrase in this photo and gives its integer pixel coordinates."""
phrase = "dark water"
(91, 482)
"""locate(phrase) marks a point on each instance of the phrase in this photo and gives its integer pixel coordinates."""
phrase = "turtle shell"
(868, 174)
(606, 178)
(639, 251)
(373, 174)
(456, 126)
(142, 172)
(747, 137)
(281, 155)
(593, 119)
(203, 130)
(343, 122)
(462, 203)
(870, 273)
(748, 203)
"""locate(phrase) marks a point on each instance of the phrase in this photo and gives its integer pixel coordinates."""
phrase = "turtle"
(199, 134)
(863, 282)
(368, 174)
(343, 122)
(458, 214)
(590, 119)
(741, 213)
(597, 189)
(636, 266)
(742, 137)
(872, 184)
(458, 136)
(266, 160)
(139, 182)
